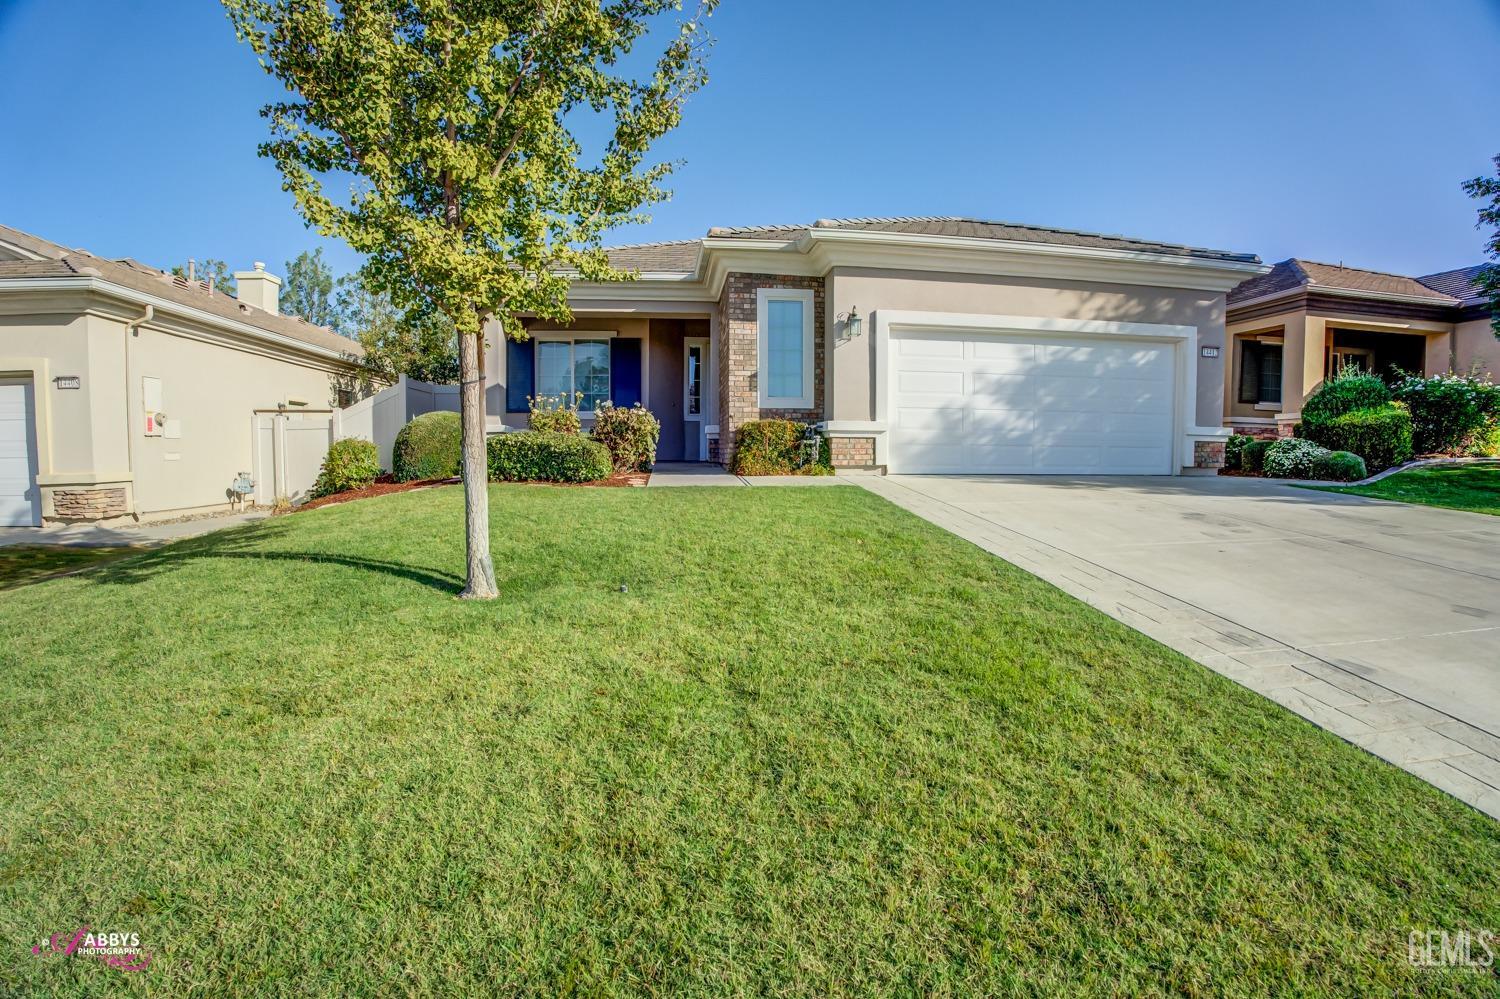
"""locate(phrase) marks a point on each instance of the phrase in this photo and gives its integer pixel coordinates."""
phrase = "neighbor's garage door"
(965, 402)
(18, 493)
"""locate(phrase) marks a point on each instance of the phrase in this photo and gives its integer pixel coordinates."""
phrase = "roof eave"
(1322, 289)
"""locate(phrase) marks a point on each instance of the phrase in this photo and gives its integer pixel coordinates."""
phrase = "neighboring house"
(939, 345)
(125, 392)
(1293, 327)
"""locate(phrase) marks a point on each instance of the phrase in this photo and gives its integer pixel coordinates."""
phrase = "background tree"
(397, 342)
(307, 289)
(209, 269)
(1487, 189)
(463, 125)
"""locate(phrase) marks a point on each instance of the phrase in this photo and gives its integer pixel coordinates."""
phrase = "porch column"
(1301, 367)
(1438, 355)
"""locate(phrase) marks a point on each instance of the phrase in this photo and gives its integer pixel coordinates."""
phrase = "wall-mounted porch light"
(852, 324)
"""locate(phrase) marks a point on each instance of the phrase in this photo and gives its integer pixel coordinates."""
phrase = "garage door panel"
(978, 403)
(18, 492)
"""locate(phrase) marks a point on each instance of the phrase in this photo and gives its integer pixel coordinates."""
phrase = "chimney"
(259, 289)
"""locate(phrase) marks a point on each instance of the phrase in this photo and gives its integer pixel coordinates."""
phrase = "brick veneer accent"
(88, 504)
(739, 389)
(1208, 454)
(852, 452)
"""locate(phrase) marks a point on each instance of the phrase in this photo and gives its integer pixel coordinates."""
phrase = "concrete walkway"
(1377, 621)
(693, 473)
(93, 536)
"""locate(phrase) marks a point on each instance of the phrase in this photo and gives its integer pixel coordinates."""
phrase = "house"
(128, 393)
(936, 345)
(1302, 321)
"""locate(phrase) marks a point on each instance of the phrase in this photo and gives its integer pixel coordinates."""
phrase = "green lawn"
(22, 564)
(819, 747)
(1458, 487)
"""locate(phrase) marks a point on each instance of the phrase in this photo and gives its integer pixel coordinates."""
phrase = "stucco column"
(1301, 366)
(1438, 355)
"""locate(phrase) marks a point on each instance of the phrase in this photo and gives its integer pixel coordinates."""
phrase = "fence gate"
(289, 451)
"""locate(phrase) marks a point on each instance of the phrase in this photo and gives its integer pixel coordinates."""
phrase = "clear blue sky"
(1330, 130)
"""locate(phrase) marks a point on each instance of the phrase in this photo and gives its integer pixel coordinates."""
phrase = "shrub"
(1292, 458)
(1345, 392)
(1382, 437)
(1338, 466)
(351, 463)
(775, 447)
(427, 448)
(1234, 449)
(630, 434)
(1485, 444)
(544, 456)
(553, 414)
(1253, 456)
(1449, 411)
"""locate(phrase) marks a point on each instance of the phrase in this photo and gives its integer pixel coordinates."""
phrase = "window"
(1260, 372)
(785, 326)
(573, 369)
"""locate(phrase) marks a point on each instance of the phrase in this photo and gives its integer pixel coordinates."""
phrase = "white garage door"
(18, 492)
(964, 402)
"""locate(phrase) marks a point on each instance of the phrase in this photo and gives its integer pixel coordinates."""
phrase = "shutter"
(1250, 372)
(519, 374)
(624, 371)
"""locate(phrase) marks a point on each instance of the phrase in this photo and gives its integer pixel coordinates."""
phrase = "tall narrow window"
(694, 380)
(785, 321)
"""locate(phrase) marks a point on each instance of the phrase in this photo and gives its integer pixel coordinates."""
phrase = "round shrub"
(1338, 466)
(1234, 449)
(537, 456)
(1292, 458)
(1347, 391)
(1382, 437)
(1449, 411)
(351, 463)
(553, 414)
(630, 434)
(429, 447)
(775, 447)
(1253, 456)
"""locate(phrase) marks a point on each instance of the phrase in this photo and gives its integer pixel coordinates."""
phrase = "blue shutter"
(624, 371)
(519, 374)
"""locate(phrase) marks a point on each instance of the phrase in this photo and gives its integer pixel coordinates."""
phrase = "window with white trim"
(566, 367)
(784, 322)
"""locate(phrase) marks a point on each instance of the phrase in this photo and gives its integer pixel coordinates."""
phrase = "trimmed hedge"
(1234, 450)
(1382, 437)
(1292, 458)
(351, 463)
(428, 447)
(1339, 466)
(1253, 456)
(630, 433)
(774, 447)
(538, 456)
(1346, 392)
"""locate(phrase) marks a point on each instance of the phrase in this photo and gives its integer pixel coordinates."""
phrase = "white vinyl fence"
(379, 417)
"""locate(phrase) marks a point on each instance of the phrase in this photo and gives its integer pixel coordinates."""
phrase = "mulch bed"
(385, 484)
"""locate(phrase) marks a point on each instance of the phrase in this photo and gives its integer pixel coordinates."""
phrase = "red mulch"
(385, 484)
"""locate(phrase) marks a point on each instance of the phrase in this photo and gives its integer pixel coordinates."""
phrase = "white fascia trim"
(763, 298)
(853, 428)
(163, 305)
(1208, 433)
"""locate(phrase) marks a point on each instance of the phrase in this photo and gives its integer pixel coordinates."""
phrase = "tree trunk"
(480, 574)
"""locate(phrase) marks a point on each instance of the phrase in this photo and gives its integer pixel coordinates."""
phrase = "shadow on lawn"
(248, 543)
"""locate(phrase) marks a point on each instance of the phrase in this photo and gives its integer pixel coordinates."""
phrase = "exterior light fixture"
(852, 324)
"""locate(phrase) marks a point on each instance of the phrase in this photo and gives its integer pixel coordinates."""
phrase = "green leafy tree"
(307, 289)
(423, 346)
(216, 272)
(1487, 190)
(463, 125)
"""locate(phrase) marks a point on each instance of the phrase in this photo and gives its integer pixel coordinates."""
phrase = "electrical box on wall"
(151, 404)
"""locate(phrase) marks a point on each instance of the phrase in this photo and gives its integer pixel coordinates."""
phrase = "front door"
(694, 365)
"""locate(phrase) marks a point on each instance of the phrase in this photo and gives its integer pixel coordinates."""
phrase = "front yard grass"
(1475, 488)
(23, 564)
(709, 741)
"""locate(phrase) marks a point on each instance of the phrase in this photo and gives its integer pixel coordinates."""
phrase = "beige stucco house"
(940, 345)
(127, 393)
(1292, 327)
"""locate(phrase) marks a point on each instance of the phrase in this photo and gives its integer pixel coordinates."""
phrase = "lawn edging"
(1418, 463)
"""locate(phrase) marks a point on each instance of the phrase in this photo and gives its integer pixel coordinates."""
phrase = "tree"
(1485, 187)
(463, 125)
(420, 346)
(215, 272)
(307, 289)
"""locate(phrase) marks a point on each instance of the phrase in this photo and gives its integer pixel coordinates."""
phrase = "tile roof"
(60, 262)
(1459, 283)
(1296, 273)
